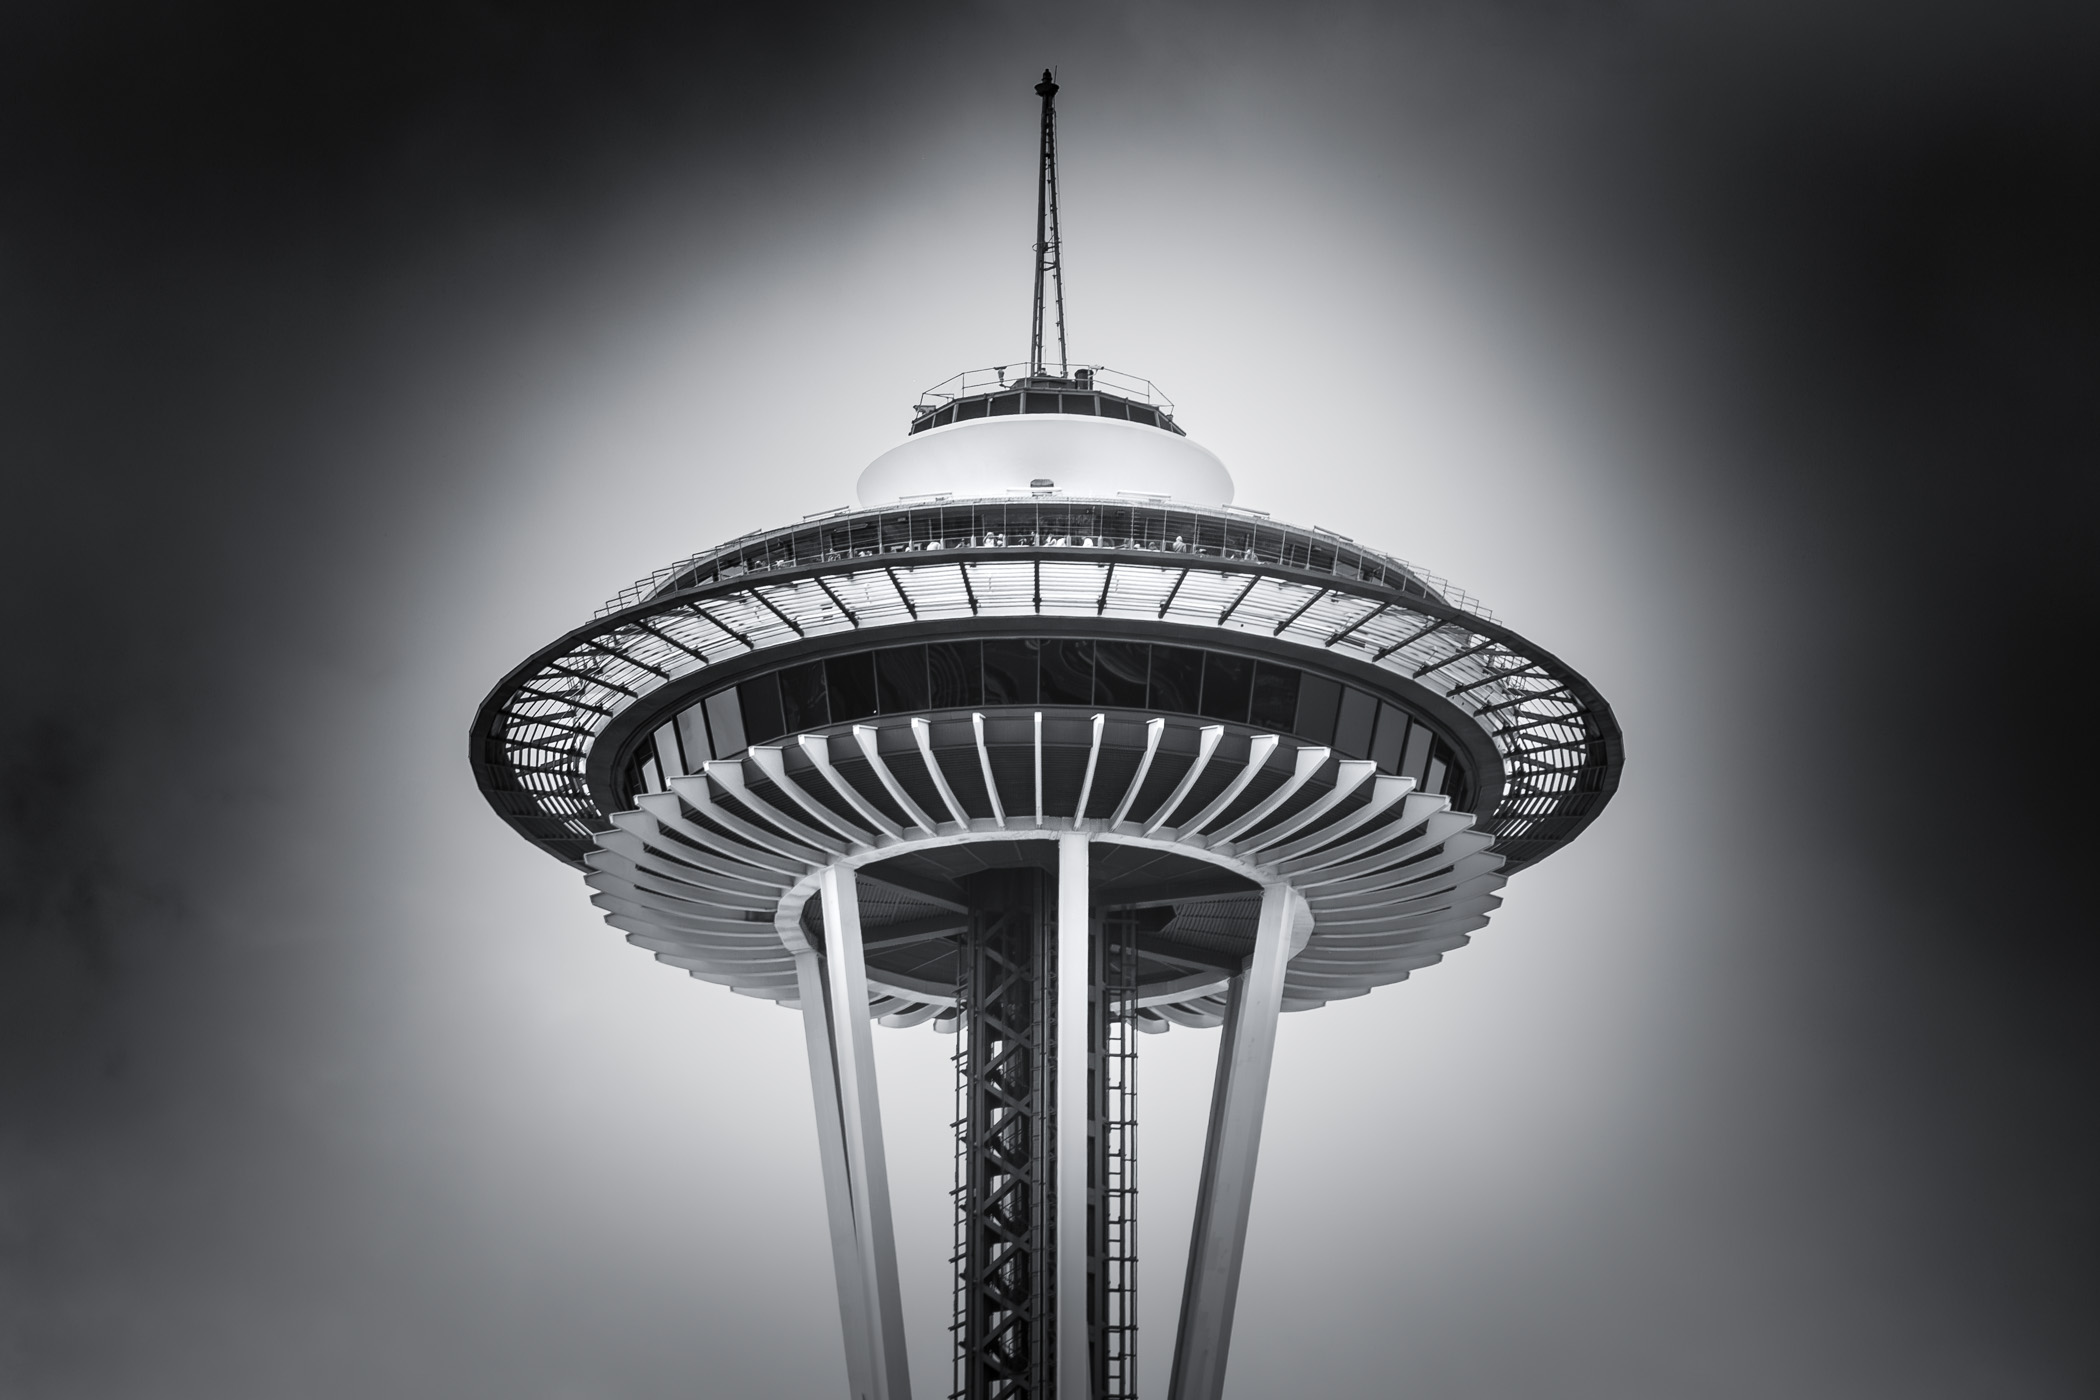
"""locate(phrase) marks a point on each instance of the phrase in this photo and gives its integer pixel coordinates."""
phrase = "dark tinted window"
(802, 698)
(969, 408)
(1415, 763)
(1039, 403)
(1275, 704)
(1006, 403)
(851, 681)
(900, 680)
(1009, 671)
(1227, 683)
(1119, 673)
(1352, 726)
(953, 674)
(1392, 732)
(1079, 403)
(725, 722)
(759, 701)
(1141, 414)
(1067, 671)
(1318, 699)
(1113, 408)
(1177, 679)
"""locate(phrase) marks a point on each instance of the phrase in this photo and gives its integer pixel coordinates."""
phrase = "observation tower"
(1045, 746)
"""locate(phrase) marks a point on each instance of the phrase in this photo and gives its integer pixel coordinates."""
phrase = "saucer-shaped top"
(1023, 453)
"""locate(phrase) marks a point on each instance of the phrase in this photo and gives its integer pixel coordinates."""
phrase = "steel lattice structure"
(1045, 767)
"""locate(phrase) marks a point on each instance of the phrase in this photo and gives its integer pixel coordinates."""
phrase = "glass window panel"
(802, 698)
(759, 701)
(1114, 408)
(1228, 682)
(692, 731)
(900, 680)
(1039, 403)
(1006, 403)
(1068, 671)
(946, 415)
(969, 408)
(1318, 700)
(652, 776)
(1392, 732)
(954, 674)
(1141, 414)
(1434, 780)
(1416, 762)
(1275, 703)
(1352, 725)
(1079, 403)
(1009, 671)
(851, 683)
(667, 755)
(725, 722)
(1177, 679)
(1119, 673)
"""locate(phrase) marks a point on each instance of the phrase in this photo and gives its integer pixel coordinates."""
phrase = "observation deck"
(1089, 391)
(1529, 747)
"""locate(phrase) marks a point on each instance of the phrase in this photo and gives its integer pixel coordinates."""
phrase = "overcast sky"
(1742, 355)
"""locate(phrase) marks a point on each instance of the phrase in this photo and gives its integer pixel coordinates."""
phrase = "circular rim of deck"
(535, 739)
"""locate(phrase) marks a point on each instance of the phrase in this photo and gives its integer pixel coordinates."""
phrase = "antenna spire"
(1049, 261)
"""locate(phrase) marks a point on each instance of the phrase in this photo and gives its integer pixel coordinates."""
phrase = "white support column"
(817, 1024)
(1218, 1240)
(1074, 1365)
(860, 1118)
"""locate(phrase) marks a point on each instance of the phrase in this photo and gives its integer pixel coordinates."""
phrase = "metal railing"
(1047, 522)
(993, 378)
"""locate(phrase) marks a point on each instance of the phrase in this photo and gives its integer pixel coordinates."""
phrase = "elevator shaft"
(1007, 1065)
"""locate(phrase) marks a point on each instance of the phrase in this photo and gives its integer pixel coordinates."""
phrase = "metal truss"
(1005, 1134)
(1005, 1060)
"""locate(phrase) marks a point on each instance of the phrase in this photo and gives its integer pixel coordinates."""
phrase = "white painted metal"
(1093, 760)
(860, 1116)
(1074, 920)
(767, 757)
(818, 1033)
(1258, 750)
(1084, 456)
(1154, 728)
(1225, 1192)
(818, 748)
(984, 763)
(865, 736)
(923, 732)
(1206, 745)
(1311, 758)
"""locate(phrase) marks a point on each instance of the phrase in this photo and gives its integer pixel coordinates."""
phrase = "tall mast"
(1048, 260)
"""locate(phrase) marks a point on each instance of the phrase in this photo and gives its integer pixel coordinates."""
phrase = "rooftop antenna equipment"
(1049, 260)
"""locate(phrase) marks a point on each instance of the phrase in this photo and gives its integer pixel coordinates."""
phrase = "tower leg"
(885, 1372)
(817, 1028)
(1075, 1367)
(1218, 1240)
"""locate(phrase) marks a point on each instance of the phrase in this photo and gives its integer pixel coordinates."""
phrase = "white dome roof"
(1097, 457)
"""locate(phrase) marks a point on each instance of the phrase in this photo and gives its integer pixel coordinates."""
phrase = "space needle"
(1046, 746)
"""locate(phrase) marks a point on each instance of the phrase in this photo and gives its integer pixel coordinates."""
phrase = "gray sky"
(1743, 358)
